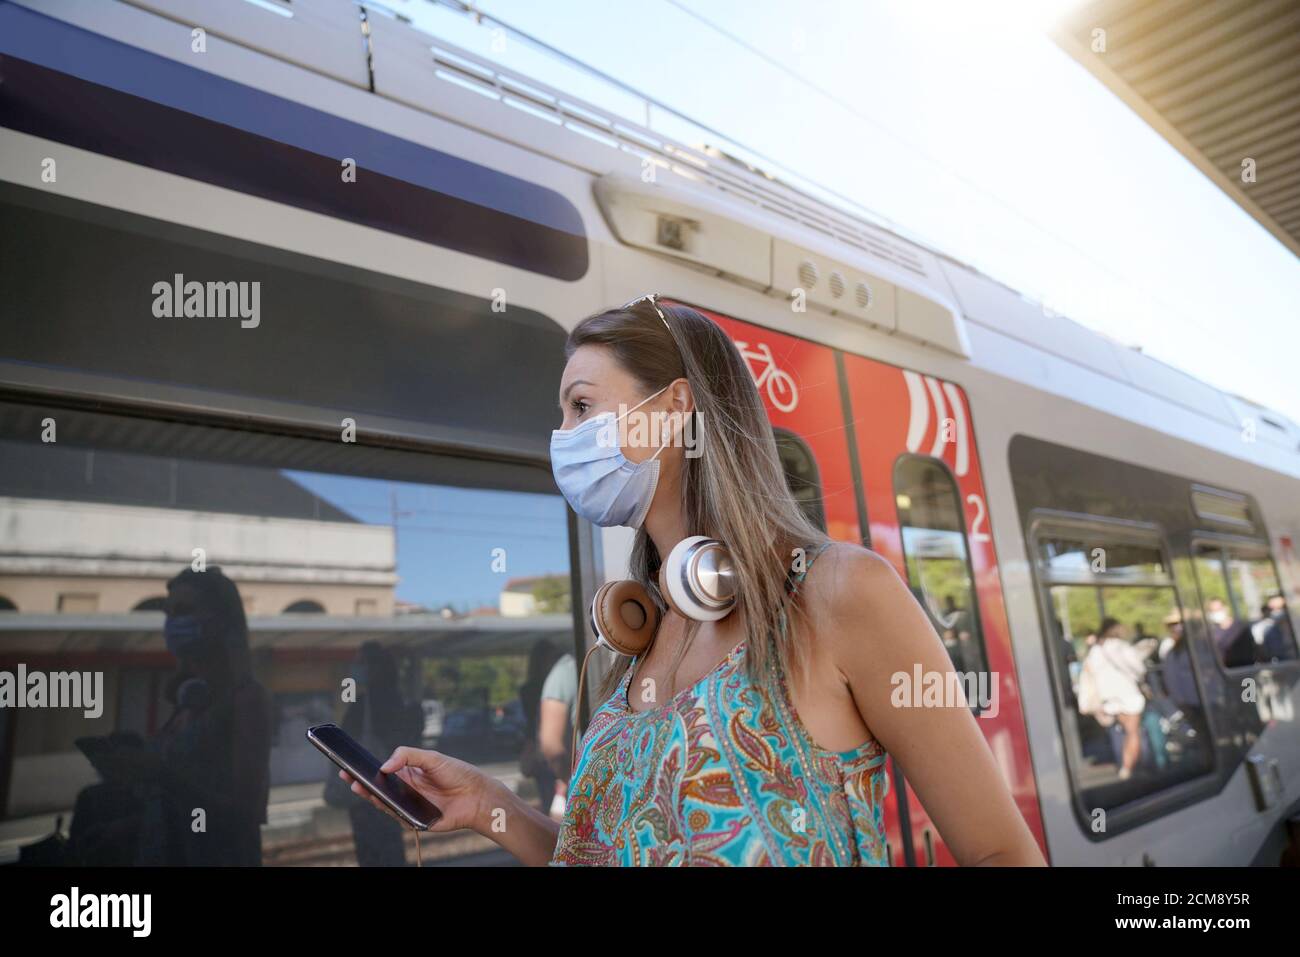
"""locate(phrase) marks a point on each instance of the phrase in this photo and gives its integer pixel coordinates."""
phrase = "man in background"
(559, 713)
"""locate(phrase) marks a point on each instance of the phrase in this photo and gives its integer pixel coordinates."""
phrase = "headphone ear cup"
(624, 617)
(698, 579)
(666, 592)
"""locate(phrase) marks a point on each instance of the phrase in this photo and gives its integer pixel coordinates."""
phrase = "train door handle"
(927, 837)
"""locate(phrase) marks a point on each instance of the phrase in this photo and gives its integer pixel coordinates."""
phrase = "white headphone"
(697, 580)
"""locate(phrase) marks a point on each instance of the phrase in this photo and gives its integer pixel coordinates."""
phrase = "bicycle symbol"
(781, 389)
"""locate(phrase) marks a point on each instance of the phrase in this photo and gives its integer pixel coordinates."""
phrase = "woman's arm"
(518, 826)
(874, 628)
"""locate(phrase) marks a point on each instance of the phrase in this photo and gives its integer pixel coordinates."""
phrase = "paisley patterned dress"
(724, 774)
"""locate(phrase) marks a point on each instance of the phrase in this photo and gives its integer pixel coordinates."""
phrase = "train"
(288, 284)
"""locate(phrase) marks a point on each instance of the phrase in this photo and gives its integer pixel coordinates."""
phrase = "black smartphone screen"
(341, 748)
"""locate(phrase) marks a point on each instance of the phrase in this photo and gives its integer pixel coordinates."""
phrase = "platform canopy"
(1219, 79)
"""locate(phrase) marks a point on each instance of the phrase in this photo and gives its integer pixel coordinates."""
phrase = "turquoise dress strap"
(797, 574)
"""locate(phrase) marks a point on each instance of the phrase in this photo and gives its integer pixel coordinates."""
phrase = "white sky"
(964, 125)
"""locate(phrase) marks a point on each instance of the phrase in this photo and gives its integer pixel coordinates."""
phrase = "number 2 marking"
(976, 535)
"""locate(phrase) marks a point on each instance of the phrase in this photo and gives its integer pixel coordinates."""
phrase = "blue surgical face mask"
(597, 479)
(182, 633)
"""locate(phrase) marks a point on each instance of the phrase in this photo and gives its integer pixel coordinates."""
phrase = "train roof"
(408, 66)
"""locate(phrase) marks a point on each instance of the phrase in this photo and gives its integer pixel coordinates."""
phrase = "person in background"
(952, 646)
(958, 638)
(1109, 689)
(559, 712)
(532, 762)
(1273, 638)
(380, 719)
(1219, 616)
(1232, 640)
(1176, 664)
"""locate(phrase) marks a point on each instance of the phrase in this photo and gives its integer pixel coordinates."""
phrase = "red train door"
(799, 384)
(904, 429)
(925, 498)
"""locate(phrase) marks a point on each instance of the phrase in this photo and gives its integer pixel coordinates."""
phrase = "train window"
(410, 190)
(1245, 610)
(1071, 557)
(801, 475)
(1128, 688)
(440, 586)
(937, 557)
(92, 274)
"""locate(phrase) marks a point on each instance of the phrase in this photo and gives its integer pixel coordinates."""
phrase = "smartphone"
(341, 748)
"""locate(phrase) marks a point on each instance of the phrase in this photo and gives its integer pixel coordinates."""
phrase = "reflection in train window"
(801, 475)
(1128, 683)
(1245, 610)
(425, 351)
(938, 563)
(305, 607)
(289, 566)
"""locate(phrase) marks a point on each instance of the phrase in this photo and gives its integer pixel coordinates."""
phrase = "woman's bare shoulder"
(854, 597)
(846, 577)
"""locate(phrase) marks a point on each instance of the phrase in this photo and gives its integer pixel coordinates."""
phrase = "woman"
(759, 738)
(216, 754)
(546, 719)
(1110, 689)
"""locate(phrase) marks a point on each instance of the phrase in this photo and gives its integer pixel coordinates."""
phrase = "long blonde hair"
(735, 489)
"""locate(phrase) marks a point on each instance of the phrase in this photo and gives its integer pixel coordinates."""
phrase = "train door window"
(938, 558)
(1130, 703)
(1245, 609)
(440, 586)
(801, 475)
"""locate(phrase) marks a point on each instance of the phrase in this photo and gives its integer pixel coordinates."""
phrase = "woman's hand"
(470, 798)
(457, 789)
